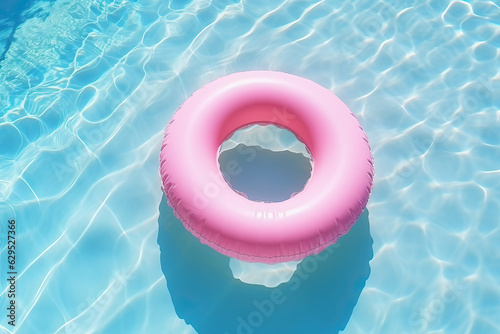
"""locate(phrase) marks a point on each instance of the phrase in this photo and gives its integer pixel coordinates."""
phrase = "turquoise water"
(87, 88)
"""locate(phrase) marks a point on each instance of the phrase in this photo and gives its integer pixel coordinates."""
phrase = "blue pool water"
(88, 86)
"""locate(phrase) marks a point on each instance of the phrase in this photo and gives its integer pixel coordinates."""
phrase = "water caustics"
(88, 87)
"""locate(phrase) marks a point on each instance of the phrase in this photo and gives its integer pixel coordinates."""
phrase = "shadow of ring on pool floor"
(319, 298)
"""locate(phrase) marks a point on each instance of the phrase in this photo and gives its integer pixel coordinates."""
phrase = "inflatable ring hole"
(265, 163)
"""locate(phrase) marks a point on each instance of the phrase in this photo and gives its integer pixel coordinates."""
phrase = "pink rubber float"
(307, 223)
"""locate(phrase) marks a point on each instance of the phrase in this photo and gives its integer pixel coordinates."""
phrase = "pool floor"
(88, 88)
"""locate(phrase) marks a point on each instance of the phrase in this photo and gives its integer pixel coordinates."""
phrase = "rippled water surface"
(87, 88)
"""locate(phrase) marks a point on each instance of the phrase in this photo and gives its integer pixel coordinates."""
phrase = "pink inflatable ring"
(305, 224)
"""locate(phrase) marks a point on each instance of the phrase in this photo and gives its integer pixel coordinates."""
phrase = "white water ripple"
(88, 87)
